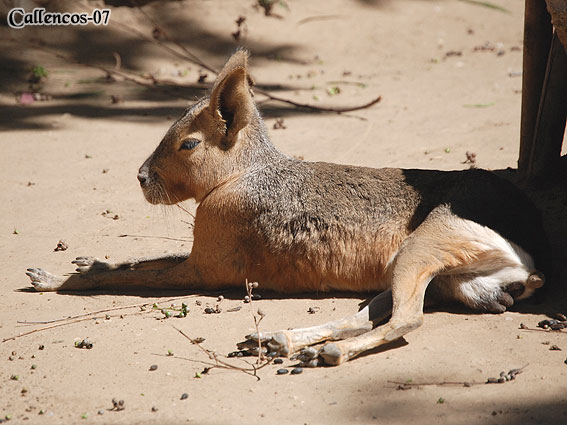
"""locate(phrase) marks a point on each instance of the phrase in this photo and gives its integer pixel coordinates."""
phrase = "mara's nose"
(142, 178)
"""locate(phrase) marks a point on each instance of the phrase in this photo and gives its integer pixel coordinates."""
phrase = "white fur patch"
(484, 281)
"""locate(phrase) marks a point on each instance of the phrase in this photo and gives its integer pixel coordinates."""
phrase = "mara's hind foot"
(279, 344)
(487, 295)
(44, 281)
(275, 344)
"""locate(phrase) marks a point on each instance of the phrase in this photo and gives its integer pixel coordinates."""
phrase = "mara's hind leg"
(285, 343)
(443, 243)
(164, 271)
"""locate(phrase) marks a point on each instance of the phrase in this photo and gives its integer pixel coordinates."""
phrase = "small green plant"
(332, 91)
(39, 72)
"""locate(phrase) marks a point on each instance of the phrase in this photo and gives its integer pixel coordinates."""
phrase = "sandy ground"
(449, 76)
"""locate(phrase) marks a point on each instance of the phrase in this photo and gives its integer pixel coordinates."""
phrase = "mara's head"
(209, 144)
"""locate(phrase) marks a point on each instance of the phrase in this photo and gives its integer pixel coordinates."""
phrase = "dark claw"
(506, 299)
(515, 289)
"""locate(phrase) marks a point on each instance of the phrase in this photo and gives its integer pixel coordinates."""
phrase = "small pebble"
(85, 343)
(100, 412)
(554, 348)
(546, 323)
(154, 409)
(41, 347)
(278, 361)
(282, 371)
(220, 298)
(118, 404)
(153, 367)
(246, 299)
(296, 370)
(209, 310)
(184, 396)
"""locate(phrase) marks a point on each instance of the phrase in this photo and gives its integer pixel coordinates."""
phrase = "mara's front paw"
(44, 281)
(90, 265)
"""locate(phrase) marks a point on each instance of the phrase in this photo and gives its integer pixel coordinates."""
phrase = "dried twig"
(548, 330)
(154, 237)
(504, 377)
(151, 83)
(319, 108)
(250, 286)
(65, 324)
(407, 385)
(218, 363)
(191, 57)
(55, 323)
(319, 18)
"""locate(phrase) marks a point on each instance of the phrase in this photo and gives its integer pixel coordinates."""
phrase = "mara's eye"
(189, 144)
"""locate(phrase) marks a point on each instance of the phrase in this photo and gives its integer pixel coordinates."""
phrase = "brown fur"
(297, 226)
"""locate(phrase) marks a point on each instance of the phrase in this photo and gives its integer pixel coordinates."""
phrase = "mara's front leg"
(172, 271)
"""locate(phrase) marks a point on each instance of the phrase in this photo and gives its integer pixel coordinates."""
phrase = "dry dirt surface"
(449, 73)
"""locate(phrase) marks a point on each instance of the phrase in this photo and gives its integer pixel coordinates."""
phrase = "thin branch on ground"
(152, 82)
(319, 18)
(407, 385)
(68, 323)
(190, 55)
(194, 59)
(548, 330)
(218, 363)
(55, 323)
(504, 377)
(336, 110)
(106, 310)
(250, 286)
(154, 237)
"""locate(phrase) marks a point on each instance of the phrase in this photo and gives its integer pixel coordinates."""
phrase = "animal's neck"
(258, 150)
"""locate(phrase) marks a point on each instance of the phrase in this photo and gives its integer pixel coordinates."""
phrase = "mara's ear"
(231, 101)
